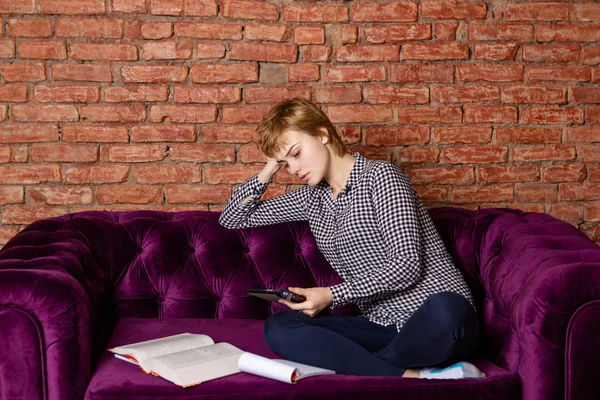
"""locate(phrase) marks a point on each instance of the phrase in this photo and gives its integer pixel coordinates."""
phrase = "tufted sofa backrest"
(162, 265)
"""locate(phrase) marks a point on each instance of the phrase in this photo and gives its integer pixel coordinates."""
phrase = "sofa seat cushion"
(116, 379)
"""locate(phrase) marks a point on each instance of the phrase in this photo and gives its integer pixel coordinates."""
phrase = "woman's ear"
(324, 135)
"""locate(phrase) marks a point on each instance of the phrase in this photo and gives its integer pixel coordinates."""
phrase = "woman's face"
(305, 157)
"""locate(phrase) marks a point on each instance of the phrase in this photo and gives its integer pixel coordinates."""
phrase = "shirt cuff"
(256, 186)
(254, 189)
(340, 294)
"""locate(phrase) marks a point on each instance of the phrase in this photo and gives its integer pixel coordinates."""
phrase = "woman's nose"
(293, 169)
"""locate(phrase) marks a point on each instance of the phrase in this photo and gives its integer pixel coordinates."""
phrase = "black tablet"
(276, 294)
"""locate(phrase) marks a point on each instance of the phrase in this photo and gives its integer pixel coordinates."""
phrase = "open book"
(188, 359)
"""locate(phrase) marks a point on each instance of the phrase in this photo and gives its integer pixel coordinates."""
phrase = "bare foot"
(411, 373)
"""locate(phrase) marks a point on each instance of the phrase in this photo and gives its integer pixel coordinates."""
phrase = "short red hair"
(295, 115)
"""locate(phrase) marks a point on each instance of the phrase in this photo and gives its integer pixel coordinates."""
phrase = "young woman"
(416, 309)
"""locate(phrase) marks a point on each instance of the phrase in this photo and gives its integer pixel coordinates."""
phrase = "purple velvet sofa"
(74, 285)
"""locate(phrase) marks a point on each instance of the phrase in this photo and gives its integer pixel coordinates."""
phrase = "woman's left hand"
(317, 299)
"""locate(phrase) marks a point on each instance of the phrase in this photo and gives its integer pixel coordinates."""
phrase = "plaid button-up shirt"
(376, 235)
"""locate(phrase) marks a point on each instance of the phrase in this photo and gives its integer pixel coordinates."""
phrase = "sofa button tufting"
(298, 249)
(139, 250)
(191, 250)
(246, 250)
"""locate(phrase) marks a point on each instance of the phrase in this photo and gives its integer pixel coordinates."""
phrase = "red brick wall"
(152, 104)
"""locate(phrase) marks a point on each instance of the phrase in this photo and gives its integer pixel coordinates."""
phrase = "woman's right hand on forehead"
(272, 162)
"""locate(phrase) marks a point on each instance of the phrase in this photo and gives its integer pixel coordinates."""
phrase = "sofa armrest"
(537, 272)
(45, 334)
(50, 288)
(583, 353)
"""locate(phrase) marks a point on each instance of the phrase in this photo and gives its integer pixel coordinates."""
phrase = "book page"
(281, 370)
(170, 344)
(126, 358)
(197, 356)
(194, 366)
(258, 365)
(304, 371)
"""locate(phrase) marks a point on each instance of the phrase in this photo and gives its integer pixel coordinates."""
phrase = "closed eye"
(286, 165)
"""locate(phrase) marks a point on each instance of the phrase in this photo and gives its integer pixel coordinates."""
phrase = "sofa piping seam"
(36, 323)
(567, 340)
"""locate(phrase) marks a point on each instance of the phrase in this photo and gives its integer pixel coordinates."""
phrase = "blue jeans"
(444, 329)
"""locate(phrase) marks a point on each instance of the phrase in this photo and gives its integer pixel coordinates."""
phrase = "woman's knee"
(457, 316)
(279, 327)
(453, 314)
